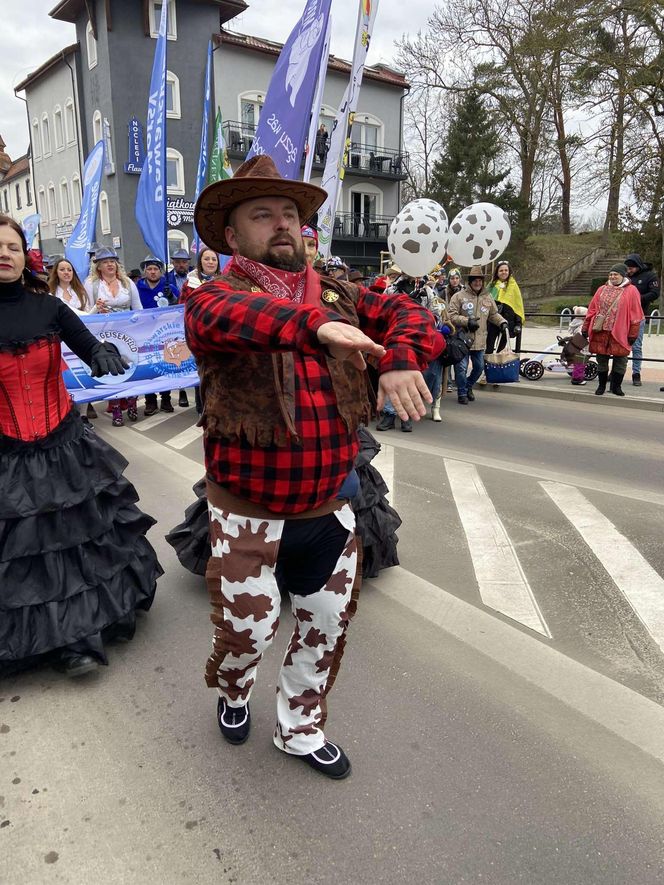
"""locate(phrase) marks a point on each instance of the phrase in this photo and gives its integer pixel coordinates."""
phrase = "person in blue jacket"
(151, 287)
(178, 276)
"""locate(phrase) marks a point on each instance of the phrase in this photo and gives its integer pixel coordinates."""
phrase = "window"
(104, 214)
(172, 96)
(97, 127)
(58, 129)
(250, 111)
(64, 198)
(28, 192)
(46, 135)
(174, 172)
(91, 44)
(177, 240)
(367, 131)
(155, 18)
(5, 200)
(36, 139)
(70, 122)
(76, 195)
(18, 196)
(365, 202)
(52, 205)
(42, 206)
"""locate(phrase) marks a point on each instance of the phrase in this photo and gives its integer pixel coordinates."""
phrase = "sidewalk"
(558, 386)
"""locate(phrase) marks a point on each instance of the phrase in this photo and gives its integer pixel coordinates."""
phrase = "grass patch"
(545, 255)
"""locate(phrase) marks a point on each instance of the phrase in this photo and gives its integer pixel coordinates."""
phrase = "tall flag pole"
(282, 127)
(337, 158)
(151, 193)
(205, 131)
(83, 235)
(219, 166)
(318, 101)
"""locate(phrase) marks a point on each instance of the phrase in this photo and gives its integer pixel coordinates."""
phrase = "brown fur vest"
(254, 393)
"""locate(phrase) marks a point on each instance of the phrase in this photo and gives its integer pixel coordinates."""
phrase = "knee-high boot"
(616, 381)
(602, 378)
(435, 410)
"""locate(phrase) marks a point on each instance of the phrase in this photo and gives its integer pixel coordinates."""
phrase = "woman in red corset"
(74, 561)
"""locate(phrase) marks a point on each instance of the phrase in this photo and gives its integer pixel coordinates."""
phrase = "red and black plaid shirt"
(291, 479)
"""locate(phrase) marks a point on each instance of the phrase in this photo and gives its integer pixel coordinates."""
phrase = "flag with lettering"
(220, 166)
(83, 235)
(151, 193)
(205, 130)
(284, 119)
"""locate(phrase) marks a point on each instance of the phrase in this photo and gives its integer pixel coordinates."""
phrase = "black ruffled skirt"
(377, 522)
(74, 559)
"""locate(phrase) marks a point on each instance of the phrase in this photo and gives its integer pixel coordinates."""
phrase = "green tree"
(468, 169)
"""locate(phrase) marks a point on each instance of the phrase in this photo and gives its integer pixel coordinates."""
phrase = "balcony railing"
(352, 226)
(364, 159)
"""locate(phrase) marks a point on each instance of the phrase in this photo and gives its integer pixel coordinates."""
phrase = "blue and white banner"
(201, 174)
(78, 244)
(151, 193)
(318, 101)
(135, 150)
(284, 119)
(153, 341)
(30, 227)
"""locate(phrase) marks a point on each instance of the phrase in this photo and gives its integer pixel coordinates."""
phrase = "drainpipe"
(401, 101)
(76, 120)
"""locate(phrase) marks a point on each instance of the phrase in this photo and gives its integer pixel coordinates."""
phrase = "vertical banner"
(337, 158)
(220, 166)
(151, 193)
(318, 101)
(283, 122)
(83, 235)
(30, 226)
(205, 130)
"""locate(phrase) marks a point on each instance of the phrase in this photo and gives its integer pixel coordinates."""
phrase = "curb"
(523, 388)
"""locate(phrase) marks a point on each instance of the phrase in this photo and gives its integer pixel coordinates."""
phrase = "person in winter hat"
(645, 280)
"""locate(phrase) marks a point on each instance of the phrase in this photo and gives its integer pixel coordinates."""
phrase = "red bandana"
(302, 287)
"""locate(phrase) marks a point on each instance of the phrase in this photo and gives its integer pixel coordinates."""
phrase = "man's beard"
(272, 258)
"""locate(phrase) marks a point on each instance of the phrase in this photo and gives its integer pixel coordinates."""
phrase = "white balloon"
(418, 237)
(479, 234)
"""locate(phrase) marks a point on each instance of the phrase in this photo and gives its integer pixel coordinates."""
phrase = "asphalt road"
(483, 749)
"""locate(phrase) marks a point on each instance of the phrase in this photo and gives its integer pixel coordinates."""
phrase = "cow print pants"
(252, 560)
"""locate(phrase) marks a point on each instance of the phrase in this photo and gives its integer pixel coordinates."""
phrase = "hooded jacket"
(479, 305)
(645, 280)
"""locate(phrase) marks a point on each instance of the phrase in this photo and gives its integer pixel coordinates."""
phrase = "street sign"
(63, 231)
(136, 153)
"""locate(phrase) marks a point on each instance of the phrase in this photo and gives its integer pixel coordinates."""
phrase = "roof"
(19, 167)
(380, 72)
(70, 10)
(43, 69)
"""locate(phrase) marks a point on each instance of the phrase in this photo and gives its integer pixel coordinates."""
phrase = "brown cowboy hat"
(255, 178)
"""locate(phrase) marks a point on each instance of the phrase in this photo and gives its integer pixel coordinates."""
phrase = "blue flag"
(284, 120)
(151, 193)
(78, 244)
(205, 130)
(30, 225)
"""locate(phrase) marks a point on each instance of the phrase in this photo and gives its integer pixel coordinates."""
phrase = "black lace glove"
(106, 360)
(473, 324)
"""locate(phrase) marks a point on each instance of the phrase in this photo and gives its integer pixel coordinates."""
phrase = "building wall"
(118, 87)
(61, 164)
(9, 203)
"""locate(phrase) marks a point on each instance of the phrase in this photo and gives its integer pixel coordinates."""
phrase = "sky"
(30, 37)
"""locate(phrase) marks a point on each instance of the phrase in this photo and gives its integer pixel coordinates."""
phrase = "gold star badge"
(330, 296)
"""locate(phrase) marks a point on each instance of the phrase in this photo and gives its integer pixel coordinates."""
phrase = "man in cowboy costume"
(280, 357)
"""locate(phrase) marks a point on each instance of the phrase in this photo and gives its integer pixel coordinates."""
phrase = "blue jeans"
(433, 378)
(637, 350)
(464, 382)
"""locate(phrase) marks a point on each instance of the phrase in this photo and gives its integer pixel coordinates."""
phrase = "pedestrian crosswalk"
(546, 556)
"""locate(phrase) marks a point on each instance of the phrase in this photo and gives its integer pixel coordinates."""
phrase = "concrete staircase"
(580, 286)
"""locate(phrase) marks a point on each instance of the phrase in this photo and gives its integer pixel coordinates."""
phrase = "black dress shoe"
(234, 722)
(72, 664)
(330, 760)
(471, 396)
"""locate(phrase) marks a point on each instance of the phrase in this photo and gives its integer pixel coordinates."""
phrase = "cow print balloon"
(479, 234)
(418, 237)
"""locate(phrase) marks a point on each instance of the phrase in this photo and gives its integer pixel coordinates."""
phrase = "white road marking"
(384, 464)
(159, 418)
(170, 460)
(636, 579)
(182, 440)
(503, 585)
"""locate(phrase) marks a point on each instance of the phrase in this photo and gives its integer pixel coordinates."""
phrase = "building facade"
(98, 89)
(17, 196)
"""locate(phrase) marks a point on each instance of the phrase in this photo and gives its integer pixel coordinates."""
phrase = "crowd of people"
(294, 355)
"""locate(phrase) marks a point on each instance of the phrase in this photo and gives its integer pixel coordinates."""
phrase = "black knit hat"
(619, 268)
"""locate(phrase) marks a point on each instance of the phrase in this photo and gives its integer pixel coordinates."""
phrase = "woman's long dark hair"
(76, 284)
(29, 279)
(199, 267)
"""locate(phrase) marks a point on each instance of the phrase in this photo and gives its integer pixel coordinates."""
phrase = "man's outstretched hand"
(407, 392)
(345, 342)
